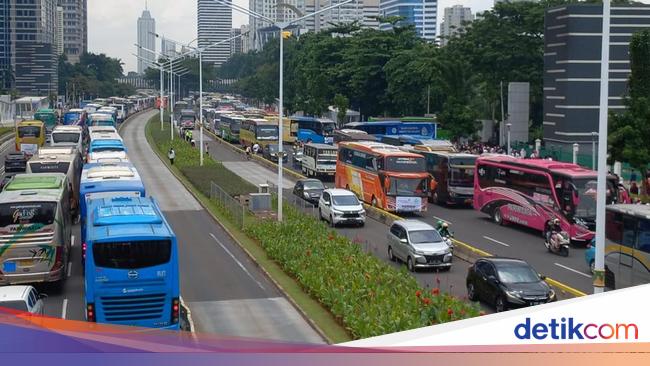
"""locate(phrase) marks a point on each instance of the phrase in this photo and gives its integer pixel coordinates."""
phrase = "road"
(226, 292)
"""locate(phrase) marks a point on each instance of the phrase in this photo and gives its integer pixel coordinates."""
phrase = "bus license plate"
(25, 262)
(9, 267)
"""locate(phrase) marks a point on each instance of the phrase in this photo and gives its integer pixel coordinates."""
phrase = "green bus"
(48, 117)
(229, 126)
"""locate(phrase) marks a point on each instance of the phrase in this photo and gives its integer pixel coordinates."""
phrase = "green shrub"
(368, 296)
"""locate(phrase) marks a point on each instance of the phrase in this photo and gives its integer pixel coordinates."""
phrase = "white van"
(22, 298)
(68, 136)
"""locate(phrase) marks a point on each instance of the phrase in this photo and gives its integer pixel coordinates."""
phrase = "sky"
(112, 24)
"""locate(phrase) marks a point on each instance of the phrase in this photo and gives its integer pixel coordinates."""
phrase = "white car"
(340, 206)
(22, 298)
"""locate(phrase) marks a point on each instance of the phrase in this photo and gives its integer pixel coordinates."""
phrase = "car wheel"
(410, 265)
(500, 304)
(471, 292)
(332, 224)
(362, 224)
(496, 216)
(391, 256)
(592, 266)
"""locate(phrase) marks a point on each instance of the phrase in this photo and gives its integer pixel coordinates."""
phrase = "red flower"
(418, 293)
(426, 301)
(435, 291)
(330, 237)
(450, 312)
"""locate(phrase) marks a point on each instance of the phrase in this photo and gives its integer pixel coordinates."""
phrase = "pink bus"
(530, 192)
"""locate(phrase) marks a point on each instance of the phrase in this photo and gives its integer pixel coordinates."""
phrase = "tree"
(93, 76)
(629, 131)
(341, 103)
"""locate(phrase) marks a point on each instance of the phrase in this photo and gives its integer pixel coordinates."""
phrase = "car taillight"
(90, 312)
(176, 310)
(58, 259)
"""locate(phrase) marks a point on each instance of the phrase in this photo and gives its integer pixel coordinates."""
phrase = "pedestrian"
(171, 155)
(523, 152)
(256, 148)
(634, 188)
(248, 152)
(207, 149)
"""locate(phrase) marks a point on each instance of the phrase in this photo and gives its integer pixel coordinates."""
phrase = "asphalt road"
(226, 292)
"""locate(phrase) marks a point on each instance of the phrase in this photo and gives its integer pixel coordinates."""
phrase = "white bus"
(319, 159)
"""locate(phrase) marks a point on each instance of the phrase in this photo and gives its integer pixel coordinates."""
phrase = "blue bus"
(99, 180)
(132, 266)
(310, 129)
(423, 130)
(74, 117)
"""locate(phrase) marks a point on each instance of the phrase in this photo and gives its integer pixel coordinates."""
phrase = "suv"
(15, 162)
(22, 298)
(339, 206)
(419, 245)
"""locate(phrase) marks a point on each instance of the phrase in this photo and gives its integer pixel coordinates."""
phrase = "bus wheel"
(496, 216)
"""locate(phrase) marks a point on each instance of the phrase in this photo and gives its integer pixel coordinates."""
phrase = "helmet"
(439, 223)
(556, 221)
(445, 225)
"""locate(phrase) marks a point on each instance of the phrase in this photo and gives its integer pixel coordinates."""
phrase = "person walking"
(256, 148)
(171, 155)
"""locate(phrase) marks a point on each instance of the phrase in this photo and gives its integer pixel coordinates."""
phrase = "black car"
(507, 283)
(309, 189)
(15, 162)
(271, 153)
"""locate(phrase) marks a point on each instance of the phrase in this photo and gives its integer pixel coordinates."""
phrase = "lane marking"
(496, 241)
(573, 270)
(69, 268)
(441, 219)
(64, 310)
(236, 261)
(72, 239)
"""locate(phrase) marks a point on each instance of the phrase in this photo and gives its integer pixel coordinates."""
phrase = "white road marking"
(236, 261)
(64, 311)
(69, 268)
(573, 270)
(496, 241)
(72, 239)
(441, 219)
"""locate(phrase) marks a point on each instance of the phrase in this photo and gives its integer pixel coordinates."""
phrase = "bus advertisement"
(421, 130)
(384, 176)
(260, 131)
(310, 129)
(530, 192)
(35, 229)
(132, 264)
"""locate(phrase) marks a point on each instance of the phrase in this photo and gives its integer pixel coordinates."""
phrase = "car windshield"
(272, 148)
(345, 200)
(517, 273)
(313, 184)
(424, 236)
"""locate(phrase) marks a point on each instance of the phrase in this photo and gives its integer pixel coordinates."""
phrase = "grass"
(327, 323)
(6, 130)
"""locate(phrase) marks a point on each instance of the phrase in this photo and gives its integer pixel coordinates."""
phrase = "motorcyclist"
(553, 228)
(444, 230)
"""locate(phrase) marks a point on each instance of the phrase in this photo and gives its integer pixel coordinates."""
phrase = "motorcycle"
(563, 244)
(448, 238)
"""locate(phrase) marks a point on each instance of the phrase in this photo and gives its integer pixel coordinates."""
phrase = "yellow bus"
(30, 135)
(287, 136)
(258, 130)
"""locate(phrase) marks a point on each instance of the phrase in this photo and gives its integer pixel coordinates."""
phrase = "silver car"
(419, 245)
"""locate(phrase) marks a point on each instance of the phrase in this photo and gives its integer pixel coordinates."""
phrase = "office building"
(33, 57)
(168, 48)
(572, 59)
(245, 39)
(75, 28)
(260, 30)
(421, 14)
(146, 39)
(59, 31)
(5, 46)
(214, 25)
(454, 21)
(235, 44)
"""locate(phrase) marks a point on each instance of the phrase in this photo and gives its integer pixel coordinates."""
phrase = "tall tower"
(75, 28)
(214, 25)
(146, 39)
(454, 21)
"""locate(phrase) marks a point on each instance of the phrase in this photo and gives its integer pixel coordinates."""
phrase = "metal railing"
(234, 209)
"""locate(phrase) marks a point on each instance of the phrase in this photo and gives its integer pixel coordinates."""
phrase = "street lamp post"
(576, 148)
(508, 125)
(593, 149)
(281, 26)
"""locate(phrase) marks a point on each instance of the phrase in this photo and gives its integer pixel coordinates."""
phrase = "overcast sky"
(112, 24)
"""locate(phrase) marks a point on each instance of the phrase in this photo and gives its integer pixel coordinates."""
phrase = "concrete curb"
(232, 236)
(462, 250)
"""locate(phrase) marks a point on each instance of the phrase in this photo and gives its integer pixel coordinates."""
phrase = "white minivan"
(340, 206)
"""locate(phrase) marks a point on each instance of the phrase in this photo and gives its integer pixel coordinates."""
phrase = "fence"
(234, 209)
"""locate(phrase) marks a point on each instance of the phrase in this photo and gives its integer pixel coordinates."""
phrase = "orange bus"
(384, 176)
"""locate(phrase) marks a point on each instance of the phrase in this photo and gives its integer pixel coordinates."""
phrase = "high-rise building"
(5, 46)
(235, 44)
(260, 30)
(33, 57)
(454, 21)
(214, 25)
(146, 39)
(423, 14)
(75, 28)
(168, 48)
(245, 40)
(59, 30)
(572, 59)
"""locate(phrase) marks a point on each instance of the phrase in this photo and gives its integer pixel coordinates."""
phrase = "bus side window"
(629, 232)
(614, 227)
(643, 243)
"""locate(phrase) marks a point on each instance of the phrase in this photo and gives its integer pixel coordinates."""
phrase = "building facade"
(146, 39)
(454, 21)
(6, 81)
(235, 44)
(214, 25)
(75, 28)
(421, 14)
(572, 59)
(32, 50)
(59, 31)
(168, 48)
(245, 39)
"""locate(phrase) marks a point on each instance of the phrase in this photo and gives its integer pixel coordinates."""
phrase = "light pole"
(157, 66)
(282, 26)
(576, 147)
(508, 125)
(593, 149)
(601, 194)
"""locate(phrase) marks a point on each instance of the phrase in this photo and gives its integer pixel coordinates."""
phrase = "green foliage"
(342, 103)
(93, 76)
(367, 295)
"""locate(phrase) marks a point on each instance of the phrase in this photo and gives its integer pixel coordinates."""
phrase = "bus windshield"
(404, 164)
(132, 255)
(579, 196)
(267, 132)
(29, 131)
(461, 177)
(26, 213)
(407, 186)
(327, 128)
(65, 137)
